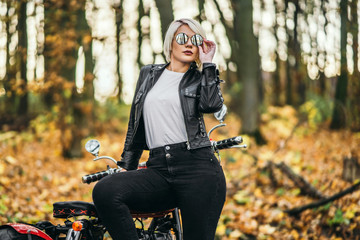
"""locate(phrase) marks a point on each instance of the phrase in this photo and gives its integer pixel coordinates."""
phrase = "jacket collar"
(161, 67)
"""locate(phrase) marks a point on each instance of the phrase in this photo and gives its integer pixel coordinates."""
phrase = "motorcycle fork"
(73, 235)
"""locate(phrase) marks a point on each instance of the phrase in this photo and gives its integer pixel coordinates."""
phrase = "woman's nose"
(188, 43)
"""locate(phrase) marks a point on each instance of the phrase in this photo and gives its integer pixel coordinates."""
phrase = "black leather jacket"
(199, 93)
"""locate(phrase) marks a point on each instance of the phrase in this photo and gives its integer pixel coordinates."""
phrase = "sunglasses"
(196, 40)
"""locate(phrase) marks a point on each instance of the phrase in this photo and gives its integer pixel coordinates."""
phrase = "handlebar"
(99, 175)
(228, 143)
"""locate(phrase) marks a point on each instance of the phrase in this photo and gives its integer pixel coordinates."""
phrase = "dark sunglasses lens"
(181, 38)
(197, 40)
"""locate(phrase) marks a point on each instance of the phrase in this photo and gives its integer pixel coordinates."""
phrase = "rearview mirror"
(220, 115)
(93, 147)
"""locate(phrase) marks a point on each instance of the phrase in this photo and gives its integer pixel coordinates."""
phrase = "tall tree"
(201, 15)
(22, 108)
(339, 113)
(248, 68)
(65, 31)
(355, 77)
(322, 77)
(10, 77)
(246, 87)
(166, 14)
(118, 21)
(83, 103)
(295, 89)
(15, 81)
(279, 10)
(141, 34)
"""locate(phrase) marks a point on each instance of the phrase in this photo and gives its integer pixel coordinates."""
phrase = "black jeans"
(192, 180)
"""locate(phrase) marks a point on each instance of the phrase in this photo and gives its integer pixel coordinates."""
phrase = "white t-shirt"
(163, 116)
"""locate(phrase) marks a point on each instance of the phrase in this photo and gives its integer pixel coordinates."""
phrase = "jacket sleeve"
(211, 99)
(130, 158)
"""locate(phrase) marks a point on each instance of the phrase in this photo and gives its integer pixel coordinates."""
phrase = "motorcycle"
(82, 221)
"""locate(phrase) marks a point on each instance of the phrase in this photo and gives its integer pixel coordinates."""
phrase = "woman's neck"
(178, 67)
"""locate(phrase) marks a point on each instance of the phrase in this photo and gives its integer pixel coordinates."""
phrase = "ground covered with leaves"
(33, 175)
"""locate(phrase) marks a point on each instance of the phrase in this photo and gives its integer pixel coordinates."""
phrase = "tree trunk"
(276, 77)
(289, 84)
(201, 15)
(22, 108)
(119, 20)
(300, 69)
(49, 61)
(289, 69)
(276, 83)
(82, 104)
(15, 114)
(166, 14)
(295, 69)
(339, 113)
(322, 84)
(247, 100)
(351, 169)
(62, 26)
(322, 87)
(10, 77)
(140, 36)
(355, 77)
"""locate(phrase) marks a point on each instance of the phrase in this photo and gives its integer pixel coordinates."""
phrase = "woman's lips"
(188, 52)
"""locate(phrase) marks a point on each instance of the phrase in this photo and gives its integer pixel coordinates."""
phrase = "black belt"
(166, 148)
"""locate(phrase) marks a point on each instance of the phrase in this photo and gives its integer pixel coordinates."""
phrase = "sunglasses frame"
(196, 40)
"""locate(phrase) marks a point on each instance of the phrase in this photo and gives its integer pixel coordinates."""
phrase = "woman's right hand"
(207, 51)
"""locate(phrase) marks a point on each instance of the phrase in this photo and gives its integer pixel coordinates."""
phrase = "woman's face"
(186, 53)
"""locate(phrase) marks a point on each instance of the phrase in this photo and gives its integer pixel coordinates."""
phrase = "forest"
(68, 70)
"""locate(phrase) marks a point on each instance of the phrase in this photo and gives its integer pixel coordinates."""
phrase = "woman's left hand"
(207, 51)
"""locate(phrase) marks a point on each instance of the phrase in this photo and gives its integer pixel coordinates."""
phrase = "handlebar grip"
(94, 177)
(227, 143)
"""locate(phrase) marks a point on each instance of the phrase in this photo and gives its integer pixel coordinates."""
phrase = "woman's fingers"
(207, 51)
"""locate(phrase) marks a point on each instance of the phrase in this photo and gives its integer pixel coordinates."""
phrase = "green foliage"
(47, 207)
(236, 88)
(113, 109)
(241, 197)
(296, 191)
(324, 208)
(231, 159)
(315, 182)
(280, 191)
(36, 103)
(3, 207)
(42, 123)
(338, 218)
(317, 109)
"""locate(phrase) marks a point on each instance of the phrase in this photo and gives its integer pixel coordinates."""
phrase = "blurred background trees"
(64, 59)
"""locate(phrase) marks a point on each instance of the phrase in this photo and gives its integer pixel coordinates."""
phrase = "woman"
(166, 118)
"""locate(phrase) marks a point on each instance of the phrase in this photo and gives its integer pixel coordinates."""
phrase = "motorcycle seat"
(73, 208)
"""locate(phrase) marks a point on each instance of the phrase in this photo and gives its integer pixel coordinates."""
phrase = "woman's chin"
(188, 59)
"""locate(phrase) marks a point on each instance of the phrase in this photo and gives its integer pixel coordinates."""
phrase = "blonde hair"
(173, 27)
